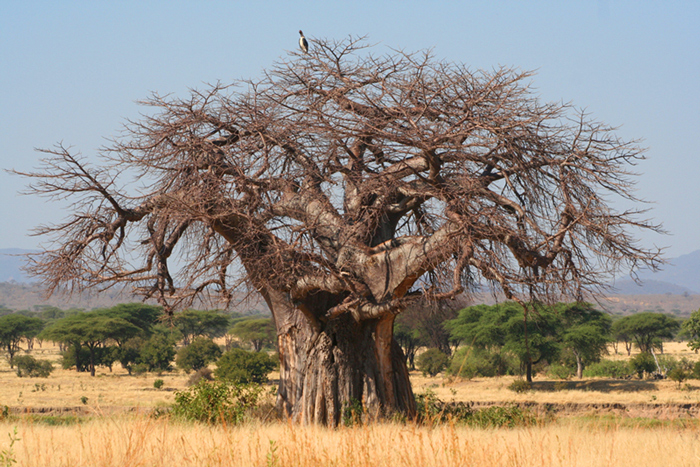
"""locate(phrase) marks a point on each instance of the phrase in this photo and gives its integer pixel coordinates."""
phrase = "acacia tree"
(647, 329)
(340, 187)
(585, 333)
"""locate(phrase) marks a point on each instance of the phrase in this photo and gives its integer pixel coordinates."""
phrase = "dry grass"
(116, 390)
(140, 441)
(113, 438)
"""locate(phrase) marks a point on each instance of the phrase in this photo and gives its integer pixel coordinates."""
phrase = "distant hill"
(683, 271)
(675, 289)
(649, 287)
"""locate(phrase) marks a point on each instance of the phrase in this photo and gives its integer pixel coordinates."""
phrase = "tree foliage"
(505, 328)
(29, 366)
(691, 327)
(91, 330)
(242, 367)
(647, 329)
(432, 361)
(15, 327)
(198, 354)
(259, 332)
(205, 323)
(585, 333)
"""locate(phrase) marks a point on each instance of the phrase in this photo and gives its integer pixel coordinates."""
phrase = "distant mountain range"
(680, 276)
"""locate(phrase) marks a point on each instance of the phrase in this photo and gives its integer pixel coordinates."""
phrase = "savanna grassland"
(72, 419)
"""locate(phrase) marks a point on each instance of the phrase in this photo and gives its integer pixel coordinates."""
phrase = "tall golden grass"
(142, 441)
(109, 437)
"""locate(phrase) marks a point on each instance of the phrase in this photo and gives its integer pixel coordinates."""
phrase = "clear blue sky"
(71, 72)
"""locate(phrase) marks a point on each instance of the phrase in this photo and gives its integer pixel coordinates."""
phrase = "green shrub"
(198, 354)
(432, 361)
(430, 409)
(502, 417)
(241, 366)
(216, 402)
(558, 371)
(607, 369)
(29, 366)
(678, 375)
(353, 412)
(643, 363)
(469, 362)
(158, 383)
(520, 385)
(695, 372)
(158, 353)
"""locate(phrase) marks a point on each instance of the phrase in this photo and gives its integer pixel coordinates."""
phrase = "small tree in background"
(241, 366)
(90, 330)
(194, 323)
(198, 354)
(691, 327)
(15, 327)
(158, 352)
(258, 332)
(585, 333)
(647, 329)
(409, 338)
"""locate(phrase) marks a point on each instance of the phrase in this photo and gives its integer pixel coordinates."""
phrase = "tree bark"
(327, 368)
(579, 366)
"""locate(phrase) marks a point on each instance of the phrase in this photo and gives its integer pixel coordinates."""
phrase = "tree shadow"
(608, 385)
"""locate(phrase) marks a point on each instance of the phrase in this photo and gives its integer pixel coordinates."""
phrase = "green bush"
(241, 366)
(502, 417)
(558, 371)
(678, 375)
(643, 363)
(520, 385)
(29, 366)
(158, 353)
(695, 372)
(607, 369)
(158, 383)
(430, 409)
(469, 362)
(198, 354)
(216, 402)
(432, 361)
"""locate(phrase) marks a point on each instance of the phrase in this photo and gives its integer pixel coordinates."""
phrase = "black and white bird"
(303, 43)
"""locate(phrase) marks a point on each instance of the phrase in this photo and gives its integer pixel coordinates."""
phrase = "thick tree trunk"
(328, 369)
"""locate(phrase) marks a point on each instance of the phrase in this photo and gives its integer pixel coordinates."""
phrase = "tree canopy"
(194, 323)
(259, 332)
(92, 330)
(342, 186)
(646, 329)
(15, 327)
(505, 328)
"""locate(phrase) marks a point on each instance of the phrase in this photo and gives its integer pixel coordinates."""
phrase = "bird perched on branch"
(303, 43)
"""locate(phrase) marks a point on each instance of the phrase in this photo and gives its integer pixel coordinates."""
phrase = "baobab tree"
(341, 187)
